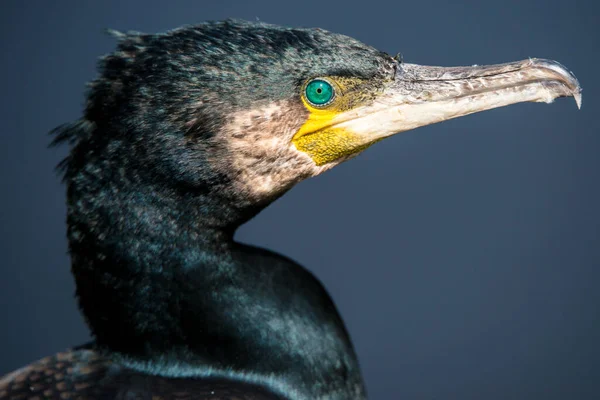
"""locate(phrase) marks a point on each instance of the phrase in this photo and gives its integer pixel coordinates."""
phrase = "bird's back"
(84, 374)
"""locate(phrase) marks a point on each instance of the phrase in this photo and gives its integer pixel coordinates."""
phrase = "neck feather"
(165, 289)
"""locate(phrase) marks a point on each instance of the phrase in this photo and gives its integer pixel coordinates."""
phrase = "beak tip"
(578, 99)
(564, 75)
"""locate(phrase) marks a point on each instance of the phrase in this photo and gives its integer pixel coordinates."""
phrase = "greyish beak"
(423, 95)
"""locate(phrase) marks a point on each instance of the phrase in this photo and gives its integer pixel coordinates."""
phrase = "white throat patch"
(261, 154)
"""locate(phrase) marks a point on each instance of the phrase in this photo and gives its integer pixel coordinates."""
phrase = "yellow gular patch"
(330, 144)
(319, 137)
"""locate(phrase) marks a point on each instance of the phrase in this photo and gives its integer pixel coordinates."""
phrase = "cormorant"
(187, 135)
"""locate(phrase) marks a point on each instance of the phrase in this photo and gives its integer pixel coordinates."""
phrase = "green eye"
(319, 92)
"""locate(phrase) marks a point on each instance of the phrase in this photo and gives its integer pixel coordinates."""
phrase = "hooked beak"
(423, 95)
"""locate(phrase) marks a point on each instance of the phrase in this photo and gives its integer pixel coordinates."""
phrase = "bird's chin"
(422, 95)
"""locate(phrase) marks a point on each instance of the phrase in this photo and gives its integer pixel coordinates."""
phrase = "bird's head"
(243, 111)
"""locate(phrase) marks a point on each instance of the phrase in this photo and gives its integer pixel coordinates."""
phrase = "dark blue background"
(464, 256)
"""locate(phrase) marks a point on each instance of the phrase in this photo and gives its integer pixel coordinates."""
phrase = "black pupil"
(319, 90)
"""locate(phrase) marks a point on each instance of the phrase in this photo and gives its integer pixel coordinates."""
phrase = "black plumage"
(162, 285)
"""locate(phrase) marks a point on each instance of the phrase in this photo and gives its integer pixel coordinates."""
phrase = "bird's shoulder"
(84, 374)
